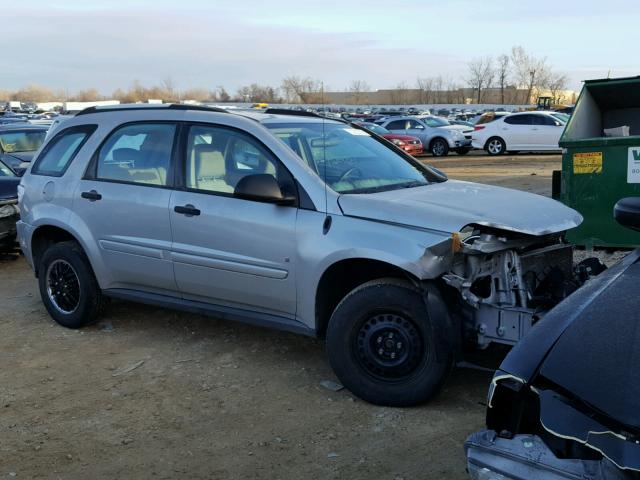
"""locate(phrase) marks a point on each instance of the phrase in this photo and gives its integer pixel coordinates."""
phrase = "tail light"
(478, 127)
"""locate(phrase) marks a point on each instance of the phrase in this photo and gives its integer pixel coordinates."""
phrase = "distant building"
(411, 96)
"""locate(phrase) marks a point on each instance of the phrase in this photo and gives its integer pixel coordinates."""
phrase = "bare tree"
(32, 93)
(502, 73)
(168, 87)
(530, 72)
(399, 94)
(426, 87)
(480, 76)
(438, 87)
(556, 84)
(198, 94)
(358, 89)
(305, 90)
(222, 95)
(89, 95)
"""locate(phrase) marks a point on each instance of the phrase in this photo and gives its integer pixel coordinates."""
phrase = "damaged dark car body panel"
(572, 388)
(9, 212)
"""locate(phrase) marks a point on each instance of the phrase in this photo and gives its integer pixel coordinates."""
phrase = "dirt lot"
(149, 393)
(524, 172)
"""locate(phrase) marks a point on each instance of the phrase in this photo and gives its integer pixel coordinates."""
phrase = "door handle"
(91, 195)
(188, 210)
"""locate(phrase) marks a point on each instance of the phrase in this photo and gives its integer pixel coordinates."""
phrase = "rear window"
(61, 150)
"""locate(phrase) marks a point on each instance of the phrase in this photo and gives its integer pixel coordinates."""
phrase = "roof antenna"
(326, 226)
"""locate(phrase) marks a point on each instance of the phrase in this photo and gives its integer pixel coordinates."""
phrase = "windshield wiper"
(385, 188)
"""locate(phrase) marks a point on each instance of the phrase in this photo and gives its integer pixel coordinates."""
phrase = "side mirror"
(627, 212)
(262, 187)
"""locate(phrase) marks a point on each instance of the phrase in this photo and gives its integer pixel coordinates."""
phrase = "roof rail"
(285, 111)
(301, 113)
(168, 106)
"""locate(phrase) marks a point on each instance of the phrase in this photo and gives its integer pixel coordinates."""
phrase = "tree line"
(515, 75)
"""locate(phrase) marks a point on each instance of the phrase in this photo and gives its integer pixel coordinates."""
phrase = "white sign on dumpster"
(633, 169)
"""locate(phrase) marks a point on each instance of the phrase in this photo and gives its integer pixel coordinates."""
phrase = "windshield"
(436, 122)
(563, 117)
(22, 141)
(5, 171)
(377, 129)
(351, 160)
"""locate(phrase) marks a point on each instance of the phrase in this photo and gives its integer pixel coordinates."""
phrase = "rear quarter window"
(61, 150)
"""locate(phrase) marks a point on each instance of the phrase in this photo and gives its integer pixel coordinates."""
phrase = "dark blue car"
(565, 403)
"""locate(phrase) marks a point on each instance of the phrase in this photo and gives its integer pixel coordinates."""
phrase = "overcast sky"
(108, 44)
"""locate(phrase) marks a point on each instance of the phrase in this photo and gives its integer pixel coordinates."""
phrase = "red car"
(411, 145)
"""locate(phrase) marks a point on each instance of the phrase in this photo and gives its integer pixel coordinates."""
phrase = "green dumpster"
(601, 160)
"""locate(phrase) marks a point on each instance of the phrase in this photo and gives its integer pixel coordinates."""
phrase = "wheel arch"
(46, 235)
(486, 144)
(342, 276)
(438, 137)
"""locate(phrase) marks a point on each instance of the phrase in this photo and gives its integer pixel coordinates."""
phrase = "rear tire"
(495, 146)
(439, 147)
(68, 287)
(383, 344)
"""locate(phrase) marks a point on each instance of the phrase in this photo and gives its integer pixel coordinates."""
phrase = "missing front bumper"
(524, 457)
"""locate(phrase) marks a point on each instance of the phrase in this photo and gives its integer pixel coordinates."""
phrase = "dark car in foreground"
(9, 212)
(411, 145)
(19, 143)
(565, 403)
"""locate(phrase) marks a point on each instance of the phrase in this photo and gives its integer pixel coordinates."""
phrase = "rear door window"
(138, 153)
(543, 120)
(519, 119)
(61, 150)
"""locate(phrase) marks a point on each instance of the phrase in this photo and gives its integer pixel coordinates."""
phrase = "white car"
(524, 131)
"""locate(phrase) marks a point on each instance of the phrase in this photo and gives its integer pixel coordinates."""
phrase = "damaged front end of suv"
(507, 281)
(505, 262)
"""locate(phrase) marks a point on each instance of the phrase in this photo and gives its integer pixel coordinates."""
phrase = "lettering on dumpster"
(633, 165)
(587, 162)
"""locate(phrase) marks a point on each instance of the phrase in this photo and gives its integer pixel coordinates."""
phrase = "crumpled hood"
(449, 206)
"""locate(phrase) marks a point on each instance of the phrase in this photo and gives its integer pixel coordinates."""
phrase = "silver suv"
(436, 134)
(292, 221)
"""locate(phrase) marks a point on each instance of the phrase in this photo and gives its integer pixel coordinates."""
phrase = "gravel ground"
(151, 393)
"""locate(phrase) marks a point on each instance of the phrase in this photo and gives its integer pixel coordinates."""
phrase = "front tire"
(68, 287)
(495, 146)
(384, 346)
(439, 147)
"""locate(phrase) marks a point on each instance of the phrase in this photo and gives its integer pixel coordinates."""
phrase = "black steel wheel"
(389, 346)
(390, 342)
